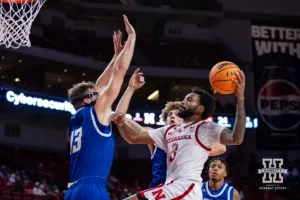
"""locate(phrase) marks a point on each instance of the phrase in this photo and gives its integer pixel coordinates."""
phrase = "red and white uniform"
(187, 147)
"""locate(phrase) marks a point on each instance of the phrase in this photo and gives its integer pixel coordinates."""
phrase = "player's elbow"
(218, 150)
(233, 141)
(222, 149)
(120, 70)
(237, 139)
(237, 142)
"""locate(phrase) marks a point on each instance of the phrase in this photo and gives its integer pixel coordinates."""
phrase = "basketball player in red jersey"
(169, 113)
(187, 145)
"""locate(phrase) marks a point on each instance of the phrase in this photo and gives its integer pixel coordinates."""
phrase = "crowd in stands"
(33, 175)
(30, 175)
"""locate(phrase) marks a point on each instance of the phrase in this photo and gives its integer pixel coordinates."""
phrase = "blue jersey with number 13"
(91, 146)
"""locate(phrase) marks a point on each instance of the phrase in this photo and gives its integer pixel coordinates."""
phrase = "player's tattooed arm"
(236, 136)
(236, 195)
(131, 131)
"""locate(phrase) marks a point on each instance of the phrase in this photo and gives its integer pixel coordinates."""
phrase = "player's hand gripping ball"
(221, 76)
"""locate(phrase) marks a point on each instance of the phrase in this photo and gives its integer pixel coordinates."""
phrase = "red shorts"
(174, 190)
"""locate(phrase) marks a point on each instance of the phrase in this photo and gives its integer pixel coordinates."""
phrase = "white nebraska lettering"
(180, 137)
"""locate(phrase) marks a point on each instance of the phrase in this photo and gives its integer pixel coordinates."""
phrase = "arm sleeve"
(158, 136)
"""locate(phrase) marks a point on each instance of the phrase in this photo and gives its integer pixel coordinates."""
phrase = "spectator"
(37, 190)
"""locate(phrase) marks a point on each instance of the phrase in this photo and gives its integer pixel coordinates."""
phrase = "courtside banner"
(276, 58)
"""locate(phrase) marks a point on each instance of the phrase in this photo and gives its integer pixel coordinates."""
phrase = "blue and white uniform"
(225, 192)
(159, 167)
(91, 156)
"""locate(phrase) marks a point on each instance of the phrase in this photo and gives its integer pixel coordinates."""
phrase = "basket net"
(16, 17)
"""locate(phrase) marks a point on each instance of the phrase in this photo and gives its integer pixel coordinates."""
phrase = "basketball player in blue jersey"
(91, 139)
(216, 188)
(170, 117)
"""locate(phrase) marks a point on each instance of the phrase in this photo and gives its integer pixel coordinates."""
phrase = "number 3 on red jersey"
(174, 151)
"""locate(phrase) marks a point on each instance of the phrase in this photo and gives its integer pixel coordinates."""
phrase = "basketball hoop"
(16, 17)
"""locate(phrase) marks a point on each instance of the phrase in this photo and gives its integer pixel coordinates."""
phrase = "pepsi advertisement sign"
(276, 57)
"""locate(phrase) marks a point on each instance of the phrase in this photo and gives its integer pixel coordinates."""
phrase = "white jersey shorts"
(174, 190)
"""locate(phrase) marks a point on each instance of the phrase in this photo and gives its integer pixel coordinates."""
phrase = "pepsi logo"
(279, 105)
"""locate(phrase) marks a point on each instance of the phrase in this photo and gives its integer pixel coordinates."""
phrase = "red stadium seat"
(27, 198)
(5, 191)
(6, 197)
(16, 193)
(17, 198)
(37, 198)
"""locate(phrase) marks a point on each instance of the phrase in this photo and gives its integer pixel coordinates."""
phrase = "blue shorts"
(91, 188)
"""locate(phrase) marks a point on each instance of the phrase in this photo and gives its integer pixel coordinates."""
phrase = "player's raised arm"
(105, 76)
(136, 81)
(236, 136)
(111, 91)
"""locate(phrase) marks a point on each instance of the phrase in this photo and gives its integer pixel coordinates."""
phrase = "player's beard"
(186, 113)
(93, 103)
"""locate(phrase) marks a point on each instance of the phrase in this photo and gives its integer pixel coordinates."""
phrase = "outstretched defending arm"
(112, 90)
(103, 79)
(136, 82)
(236, 136)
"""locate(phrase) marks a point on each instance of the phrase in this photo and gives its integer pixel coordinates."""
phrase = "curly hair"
(77, 91)
(171, 105)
